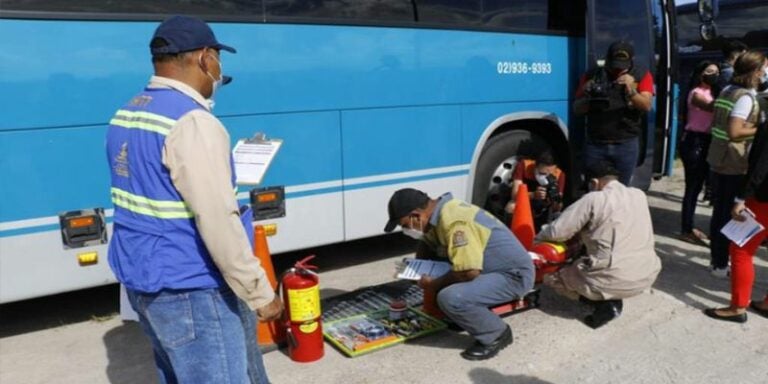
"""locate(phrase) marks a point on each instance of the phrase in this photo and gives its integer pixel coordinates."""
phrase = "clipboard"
(252, 158)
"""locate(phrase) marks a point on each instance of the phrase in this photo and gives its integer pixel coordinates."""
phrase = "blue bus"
(368, 96)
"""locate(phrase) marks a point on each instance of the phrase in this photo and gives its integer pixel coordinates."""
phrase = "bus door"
(633, 21)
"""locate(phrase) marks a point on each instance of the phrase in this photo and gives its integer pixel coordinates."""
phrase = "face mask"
(217, 84)
(710, 79)
(413, 233)
(542, 179)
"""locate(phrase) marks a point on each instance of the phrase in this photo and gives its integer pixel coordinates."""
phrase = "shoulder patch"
(459, 239)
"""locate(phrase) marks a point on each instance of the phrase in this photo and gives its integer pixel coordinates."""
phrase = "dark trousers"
(623, 156)
(724, 190)
(693, 151)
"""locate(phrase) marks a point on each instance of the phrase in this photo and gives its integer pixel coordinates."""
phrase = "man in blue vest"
(179, 245)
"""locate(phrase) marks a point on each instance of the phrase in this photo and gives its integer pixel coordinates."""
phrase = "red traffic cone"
(522, 218)
(269, 334)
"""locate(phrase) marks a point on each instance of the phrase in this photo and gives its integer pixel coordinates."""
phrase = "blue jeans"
(724, 190)
(623, 155)
(200, 336)
(693, 151)
(466, 304)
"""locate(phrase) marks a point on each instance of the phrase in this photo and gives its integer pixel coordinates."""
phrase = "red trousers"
(742, 267)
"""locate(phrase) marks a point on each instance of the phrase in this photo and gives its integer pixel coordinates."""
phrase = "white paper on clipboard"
(415, 268)
(252, 158)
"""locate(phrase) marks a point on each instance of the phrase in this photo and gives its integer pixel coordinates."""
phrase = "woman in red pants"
(754, 196)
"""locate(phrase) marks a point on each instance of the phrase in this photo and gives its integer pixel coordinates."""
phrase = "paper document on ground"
(415, 268)
(740, 232)
(253, 158)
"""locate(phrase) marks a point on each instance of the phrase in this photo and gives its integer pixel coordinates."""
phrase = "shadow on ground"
(699, 288)
(489, 376)
(26, 316)
(332, 257)
(129, 354)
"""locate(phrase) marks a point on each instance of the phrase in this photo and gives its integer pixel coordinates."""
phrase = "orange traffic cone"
(522, 219)
(269, 334)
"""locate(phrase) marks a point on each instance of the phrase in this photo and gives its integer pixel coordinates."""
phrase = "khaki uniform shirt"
(615, 225)
(197, 154)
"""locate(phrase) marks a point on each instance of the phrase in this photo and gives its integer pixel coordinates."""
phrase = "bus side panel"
(52, 171)
(36, 264)
(68, 73)
(309, 166)
(388, 149)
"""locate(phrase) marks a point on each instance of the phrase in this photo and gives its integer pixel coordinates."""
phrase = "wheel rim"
(499, 186)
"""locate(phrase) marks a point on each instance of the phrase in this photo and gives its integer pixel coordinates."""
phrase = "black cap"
(620, 55)
(402, 203)
(183, 34)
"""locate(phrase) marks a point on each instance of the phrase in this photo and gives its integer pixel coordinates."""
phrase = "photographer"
(546, 183)
(614, 98)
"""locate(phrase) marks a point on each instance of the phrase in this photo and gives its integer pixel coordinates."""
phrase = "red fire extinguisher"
(301, 295)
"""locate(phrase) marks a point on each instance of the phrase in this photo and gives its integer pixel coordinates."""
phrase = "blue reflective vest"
(155, 243)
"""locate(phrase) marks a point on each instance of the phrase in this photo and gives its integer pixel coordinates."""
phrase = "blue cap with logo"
(183, 34)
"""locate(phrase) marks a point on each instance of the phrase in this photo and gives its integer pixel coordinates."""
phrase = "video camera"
(597, 91)
(553, 192)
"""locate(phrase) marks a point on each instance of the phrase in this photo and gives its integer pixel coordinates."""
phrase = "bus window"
(340, 11)
(199, 7)
(456, 13)
(516, 14)
(567, 16)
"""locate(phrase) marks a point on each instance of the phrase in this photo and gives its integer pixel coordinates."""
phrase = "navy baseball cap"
(402, 203)
(620, 55)
(183, 34)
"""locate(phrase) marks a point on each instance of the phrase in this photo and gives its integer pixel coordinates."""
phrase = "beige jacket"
(615, 225)
(197, 154)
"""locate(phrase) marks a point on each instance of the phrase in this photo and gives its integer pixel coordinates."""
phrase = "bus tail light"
(83, 228)
(268, 203)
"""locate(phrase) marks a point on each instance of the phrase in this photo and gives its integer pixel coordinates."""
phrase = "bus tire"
(493, 174)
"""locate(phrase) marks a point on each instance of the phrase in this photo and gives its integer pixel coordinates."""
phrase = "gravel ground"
(662, 337)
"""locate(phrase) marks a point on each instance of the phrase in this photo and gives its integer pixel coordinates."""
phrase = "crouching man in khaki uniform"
(614, 223)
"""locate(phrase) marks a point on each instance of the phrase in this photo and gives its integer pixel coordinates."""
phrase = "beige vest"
(727, 156)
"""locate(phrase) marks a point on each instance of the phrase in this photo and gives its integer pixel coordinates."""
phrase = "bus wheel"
(493, 176)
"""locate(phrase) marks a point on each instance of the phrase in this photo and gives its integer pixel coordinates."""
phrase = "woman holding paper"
(752, 199)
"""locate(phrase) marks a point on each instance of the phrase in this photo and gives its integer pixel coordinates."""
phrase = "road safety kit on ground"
(364, 321)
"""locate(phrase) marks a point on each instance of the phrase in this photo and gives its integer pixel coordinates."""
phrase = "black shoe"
(482, 352)
(586, 301)
(760, 311)
(605, 311)
(740, 318)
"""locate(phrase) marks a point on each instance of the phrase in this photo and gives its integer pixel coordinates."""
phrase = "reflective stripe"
(143, 120)
(725, 104)
(156, 208)
(719, 133)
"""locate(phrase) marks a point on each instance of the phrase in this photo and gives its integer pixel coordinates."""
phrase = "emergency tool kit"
(366, 333)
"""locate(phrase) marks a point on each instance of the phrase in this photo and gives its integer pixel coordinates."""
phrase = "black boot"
(605, 311)
(481, 352)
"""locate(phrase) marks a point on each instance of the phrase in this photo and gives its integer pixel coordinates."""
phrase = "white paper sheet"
(252, 159)
(415, 268)
(740, 232)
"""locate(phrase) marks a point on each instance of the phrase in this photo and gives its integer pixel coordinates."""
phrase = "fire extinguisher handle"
(302, 264)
